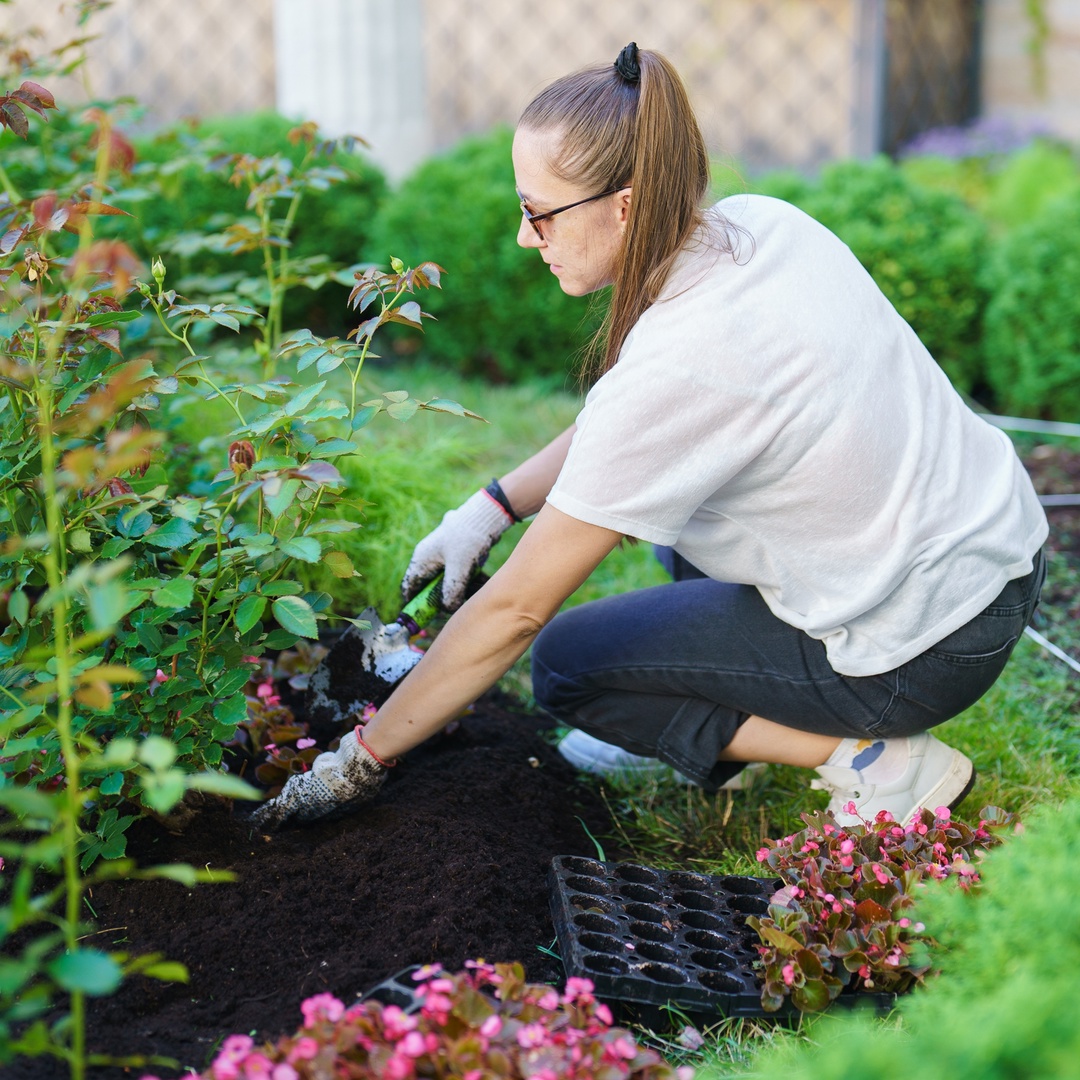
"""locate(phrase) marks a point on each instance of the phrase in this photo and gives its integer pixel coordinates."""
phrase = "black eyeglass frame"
(532, 218)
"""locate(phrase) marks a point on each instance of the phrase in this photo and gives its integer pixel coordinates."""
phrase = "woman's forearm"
(528, 485)
(491, 630)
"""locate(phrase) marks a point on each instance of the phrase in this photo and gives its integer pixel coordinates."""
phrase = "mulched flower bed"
(447, 865)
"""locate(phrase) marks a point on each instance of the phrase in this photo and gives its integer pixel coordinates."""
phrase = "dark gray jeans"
(672, 671)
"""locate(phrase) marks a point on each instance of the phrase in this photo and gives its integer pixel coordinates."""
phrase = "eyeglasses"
(534, 219)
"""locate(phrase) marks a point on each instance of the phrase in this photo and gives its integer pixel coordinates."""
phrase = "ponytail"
(630, 125)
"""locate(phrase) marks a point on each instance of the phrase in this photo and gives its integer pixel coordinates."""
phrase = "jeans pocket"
(984, 640)
(990, 636)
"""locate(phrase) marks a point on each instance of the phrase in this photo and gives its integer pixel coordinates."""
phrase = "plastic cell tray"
(399, 989)
(659, 938)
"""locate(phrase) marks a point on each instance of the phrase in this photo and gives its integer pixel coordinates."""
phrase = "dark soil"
(448, 864)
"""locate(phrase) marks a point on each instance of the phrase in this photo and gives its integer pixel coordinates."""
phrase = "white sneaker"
(936, 775)
(590, 754)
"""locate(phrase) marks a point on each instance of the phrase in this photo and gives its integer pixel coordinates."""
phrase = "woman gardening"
(854, 552)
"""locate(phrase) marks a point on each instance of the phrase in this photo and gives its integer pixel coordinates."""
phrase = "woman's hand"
(336, 784)
(459, 547)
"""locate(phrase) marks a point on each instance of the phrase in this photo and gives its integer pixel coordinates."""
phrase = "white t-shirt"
(775, 420)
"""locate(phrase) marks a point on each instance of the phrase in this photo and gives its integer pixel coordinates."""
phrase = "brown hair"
(642, 134)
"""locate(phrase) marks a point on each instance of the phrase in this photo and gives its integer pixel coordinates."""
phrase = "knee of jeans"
(552, 688)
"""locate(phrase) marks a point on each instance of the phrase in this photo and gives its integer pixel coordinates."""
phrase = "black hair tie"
(627, 64)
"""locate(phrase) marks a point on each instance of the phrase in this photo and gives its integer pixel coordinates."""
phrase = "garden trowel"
(365, 664)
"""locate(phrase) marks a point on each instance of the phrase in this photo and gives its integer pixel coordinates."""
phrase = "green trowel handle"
(423, 607)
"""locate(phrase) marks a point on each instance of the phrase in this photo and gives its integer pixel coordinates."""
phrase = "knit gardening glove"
(458, 547)
(336, 783)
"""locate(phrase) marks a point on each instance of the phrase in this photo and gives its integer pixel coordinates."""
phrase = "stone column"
(356, 67)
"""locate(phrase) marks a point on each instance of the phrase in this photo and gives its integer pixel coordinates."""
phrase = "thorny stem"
(355, 375)
(211, 593)
(64, 678)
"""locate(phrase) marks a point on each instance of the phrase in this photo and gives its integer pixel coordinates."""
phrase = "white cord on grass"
(1052, 649)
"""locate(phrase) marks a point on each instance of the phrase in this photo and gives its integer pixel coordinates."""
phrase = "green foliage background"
(1032, 344)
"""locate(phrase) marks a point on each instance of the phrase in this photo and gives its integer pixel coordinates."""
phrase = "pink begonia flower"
(685, 1072)
(530, 1035)
(265, 690)
(304, 1050)
(603, 1014)
(398, 1067)
(491, 1026)
(578, 988)
(545, 1073)
(412, 1045)
(549, 1001)
(762, 854)
(397, 1022)
(258, 1066)
(849, 808)
(303, 744)
(621, 1047)
(428, 971)
(319, 1006)
(788, 971)
(225, 1068)
(942, 813)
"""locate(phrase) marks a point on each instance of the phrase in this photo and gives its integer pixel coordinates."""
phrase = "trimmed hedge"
(1032, 337)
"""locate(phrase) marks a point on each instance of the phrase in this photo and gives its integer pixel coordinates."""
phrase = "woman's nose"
(526, 236)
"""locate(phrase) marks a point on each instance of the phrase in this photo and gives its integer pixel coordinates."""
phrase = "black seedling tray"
(399, 989)
(660, 938)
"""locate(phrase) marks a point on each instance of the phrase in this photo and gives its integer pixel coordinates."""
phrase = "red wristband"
(359, 739)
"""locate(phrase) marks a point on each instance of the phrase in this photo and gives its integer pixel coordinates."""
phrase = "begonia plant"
(483, 1023)
(842, 919)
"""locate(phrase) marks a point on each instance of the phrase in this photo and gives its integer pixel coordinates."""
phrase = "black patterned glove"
(336, 784)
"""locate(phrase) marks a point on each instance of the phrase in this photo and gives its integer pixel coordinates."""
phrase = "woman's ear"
(622, 205)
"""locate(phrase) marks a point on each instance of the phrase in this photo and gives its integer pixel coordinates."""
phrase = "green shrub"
(924, 249)
(501, 313)
(969, 178)
(1005, 1003)
(1032, 326)
(1028, 181)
